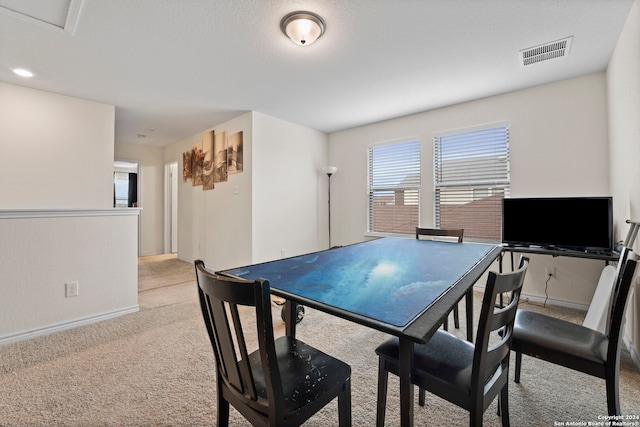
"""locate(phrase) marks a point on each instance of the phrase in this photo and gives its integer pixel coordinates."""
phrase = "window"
(125, 188)
(394, 187)
(121, 189)
(471, 179)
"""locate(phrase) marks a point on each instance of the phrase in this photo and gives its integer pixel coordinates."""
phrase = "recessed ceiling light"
(23, 72)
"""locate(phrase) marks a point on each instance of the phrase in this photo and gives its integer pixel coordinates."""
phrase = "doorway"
(126, 189)
(171, 208)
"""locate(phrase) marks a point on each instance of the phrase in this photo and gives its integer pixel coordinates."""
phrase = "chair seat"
(306, 373)
(545, 336)
(444, 358)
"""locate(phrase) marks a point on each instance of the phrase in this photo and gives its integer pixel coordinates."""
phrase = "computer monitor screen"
(581, 223)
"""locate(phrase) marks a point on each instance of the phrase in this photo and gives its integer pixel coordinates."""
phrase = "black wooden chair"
(577, 347)
(454, 235)
(282, 383)
(454, 369)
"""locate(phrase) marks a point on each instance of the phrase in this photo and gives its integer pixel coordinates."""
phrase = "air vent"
(545, 52)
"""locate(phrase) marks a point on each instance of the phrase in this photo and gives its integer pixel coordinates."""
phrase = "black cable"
(546, 295)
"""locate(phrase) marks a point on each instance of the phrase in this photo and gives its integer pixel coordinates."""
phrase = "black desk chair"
(577, 347)
(456, 370)
(455, 235)
(282, 383)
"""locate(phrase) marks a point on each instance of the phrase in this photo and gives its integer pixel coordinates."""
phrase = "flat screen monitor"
(578, 223)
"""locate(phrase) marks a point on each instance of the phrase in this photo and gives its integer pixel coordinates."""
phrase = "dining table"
(401, 286)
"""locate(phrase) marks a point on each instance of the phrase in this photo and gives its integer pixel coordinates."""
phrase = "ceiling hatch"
(545, 52)
(60, 15)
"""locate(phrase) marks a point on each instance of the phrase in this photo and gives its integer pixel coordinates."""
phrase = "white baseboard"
(548, 301)
(551, 301)
(59, 327)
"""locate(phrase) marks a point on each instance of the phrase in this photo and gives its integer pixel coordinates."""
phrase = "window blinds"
(471, 177)
(394, 187)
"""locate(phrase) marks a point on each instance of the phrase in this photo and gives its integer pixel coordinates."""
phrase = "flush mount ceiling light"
(302, 28)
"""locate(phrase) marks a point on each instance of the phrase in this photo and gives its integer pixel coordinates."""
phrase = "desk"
(608, 256)
(555, 252)
(401, 286)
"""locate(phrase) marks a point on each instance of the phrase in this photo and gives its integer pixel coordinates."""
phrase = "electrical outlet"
(549, 272)
(71, 289)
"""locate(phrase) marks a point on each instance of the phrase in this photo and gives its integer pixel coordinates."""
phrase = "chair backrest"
(439, 232)
(600, 310)
(491, 362)
(625, 254)
(620, 296)
(220, 298)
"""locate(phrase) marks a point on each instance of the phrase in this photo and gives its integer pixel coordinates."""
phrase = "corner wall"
(275, 207)
(623, 88)
(289, 189)
(215, 225)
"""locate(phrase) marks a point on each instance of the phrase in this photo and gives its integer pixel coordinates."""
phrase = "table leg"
(469, 307)
(405, 363)
(290, 318)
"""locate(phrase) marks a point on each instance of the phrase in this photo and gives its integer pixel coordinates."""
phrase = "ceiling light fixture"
(22, 72)
(302, 28)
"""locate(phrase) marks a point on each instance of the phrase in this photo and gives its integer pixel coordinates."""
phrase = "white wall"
(623, 87)
(55, 151)
(289, 189)
(150, 194)
(558, 147)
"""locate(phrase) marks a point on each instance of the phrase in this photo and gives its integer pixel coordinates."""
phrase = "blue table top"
(391, 280)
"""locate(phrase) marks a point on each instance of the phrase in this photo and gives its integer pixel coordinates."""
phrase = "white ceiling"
(176, 68)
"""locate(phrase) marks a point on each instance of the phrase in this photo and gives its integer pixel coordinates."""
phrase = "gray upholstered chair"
(578, 347)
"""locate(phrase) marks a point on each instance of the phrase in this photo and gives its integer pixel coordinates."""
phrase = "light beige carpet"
(156, 368)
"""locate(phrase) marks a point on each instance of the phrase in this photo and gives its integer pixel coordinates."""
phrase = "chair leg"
(518, 364)
(344, 405)
(223, 411)
(445, 325)
(613, 393)
(503, 405)
(421, 396)
(476, 413)
(223, 404)
(475, 418)
(383, 379)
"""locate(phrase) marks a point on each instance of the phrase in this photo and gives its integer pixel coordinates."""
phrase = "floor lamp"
(330, 170)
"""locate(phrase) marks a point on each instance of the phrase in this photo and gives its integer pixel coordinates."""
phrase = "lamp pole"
(330, 170)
